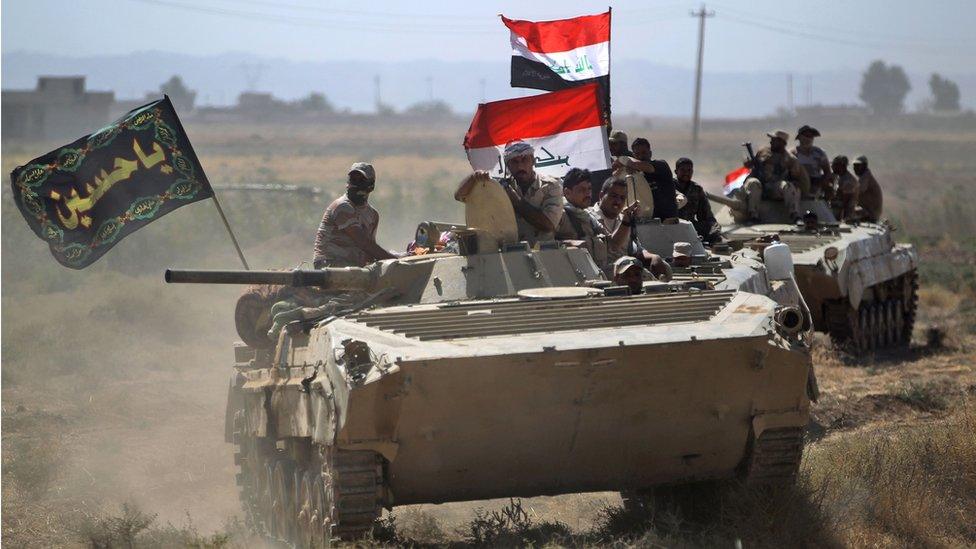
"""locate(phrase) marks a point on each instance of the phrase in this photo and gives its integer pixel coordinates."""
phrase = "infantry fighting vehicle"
(504, 371)
(860, 285)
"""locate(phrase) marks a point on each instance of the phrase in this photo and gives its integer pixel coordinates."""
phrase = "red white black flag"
(564, 127)
(555, 55)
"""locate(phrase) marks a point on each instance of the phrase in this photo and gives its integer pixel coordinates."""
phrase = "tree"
(178, 93)
(884, 88)
(315, 102)
(945, 93)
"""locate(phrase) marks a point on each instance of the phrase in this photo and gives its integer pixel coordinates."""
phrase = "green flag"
(84, 197)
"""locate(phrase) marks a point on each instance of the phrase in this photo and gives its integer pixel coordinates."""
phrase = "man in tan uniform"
(815, 161)
(869, 197)
(782, 177)
(536, 198)
(846, 198)
(347, 234)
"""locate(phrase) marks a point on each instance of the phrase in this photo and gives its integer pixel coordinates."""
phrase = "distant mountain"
(638, 85)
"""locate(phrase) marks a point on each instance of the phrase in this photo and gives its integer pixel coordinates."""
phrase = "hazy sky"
(795, 35)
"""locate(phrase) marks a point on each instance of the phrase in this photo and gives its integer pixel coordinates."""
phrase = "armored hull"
(448, 395)
(860, 285)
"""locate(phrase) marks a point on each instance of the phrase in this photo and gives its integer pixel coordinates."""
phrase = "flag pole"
(233, 238)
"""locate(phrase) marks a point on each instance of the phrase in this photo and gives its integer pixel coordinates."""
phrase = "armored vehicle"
(500, 371)
(860, 285)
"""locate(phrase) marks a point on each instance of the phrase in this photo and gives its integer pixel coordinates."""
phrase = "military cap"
(861, 160)
(621, 265)
(681, 249)
(516, 149)
(779, 134)
(618, 136)
(366, 169)
(682, 161)
(807, 129)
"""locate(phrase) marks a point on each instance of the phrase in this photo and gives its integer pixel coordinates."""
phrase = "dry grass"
(114, 383)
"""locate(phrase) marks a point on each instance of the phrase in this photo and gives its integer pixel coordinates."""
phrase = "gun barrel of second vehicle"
(338, 278)
(730, 202)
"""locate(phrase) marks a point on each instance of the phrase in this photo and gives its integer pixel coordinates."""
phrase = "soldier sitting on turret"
(782, 177)
(696, 209)
(869, 199)
(537, 198)
(347, 234)
(845, 199)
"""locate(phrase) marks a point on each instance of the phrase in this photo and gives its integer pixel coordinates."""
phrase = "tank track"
(775, 457)
(773, 461)
(883, 322)
(325, 495)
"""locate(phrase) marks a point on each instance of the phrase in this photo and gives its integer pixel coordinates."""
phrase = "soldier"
(660, 178)
(627, 271)
(537, 198)
(845, 200)
(578, 224)
(814, 160)
(782, 177)
(618, 144)
(869, 199)
(697, 209)
(347, 234)
(610, 213)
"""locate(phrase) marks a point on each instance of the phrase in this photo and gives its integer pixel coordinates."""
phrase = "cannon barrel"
(337, 278)
(730, 202)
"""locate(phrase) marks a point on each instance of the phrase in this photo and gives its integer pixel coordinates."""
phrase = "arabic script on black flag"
(85, 197)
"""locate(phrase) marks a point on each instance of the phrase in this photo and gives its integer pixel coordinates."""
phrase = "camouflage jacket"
(332, 247)
(782, 166)
(545, 193)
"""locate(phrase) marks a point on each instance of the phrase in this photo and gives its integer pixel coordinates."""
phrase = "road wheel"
(283, 502)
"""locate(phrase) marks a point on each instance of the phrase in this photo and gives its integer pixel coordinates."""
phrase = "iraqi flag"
(555, 55)
(735, 179)
(564, 127)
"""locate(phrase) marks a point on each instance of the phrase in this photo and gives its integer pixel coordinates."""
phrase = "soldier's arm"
(365, 242)
(540, 218)
(621, 237)
(800, 175)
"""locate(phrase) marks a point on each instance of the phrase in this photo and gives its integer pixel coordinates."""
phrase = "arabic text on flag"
(86, 196)
(555, 55)
(564, 127)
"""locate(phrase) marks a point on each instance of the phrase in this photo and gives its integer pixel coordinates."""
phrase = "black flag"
(84, 197)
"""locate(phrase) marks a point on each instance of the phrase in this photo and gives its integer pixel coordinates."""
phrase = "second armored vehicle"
(860, 285)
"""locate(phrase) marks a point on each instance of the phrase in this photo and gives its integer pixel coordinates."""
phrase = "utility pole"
(482, 82)
(376, 86)
(789, 93)
(810, 90)
(701, 14)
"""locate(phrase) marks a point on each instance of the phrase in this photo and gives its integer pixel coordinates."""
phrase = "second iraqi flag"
(564, 127)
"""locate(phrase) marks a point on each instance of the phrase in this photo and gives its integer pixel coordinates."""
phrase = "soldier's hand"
(630, 212)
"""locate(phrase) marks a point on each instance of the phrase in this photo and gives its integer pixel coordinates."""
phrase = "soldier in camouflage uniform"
(815, 161)
(536, 198)
(697, 208)
(347, 234)
(782, 178)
